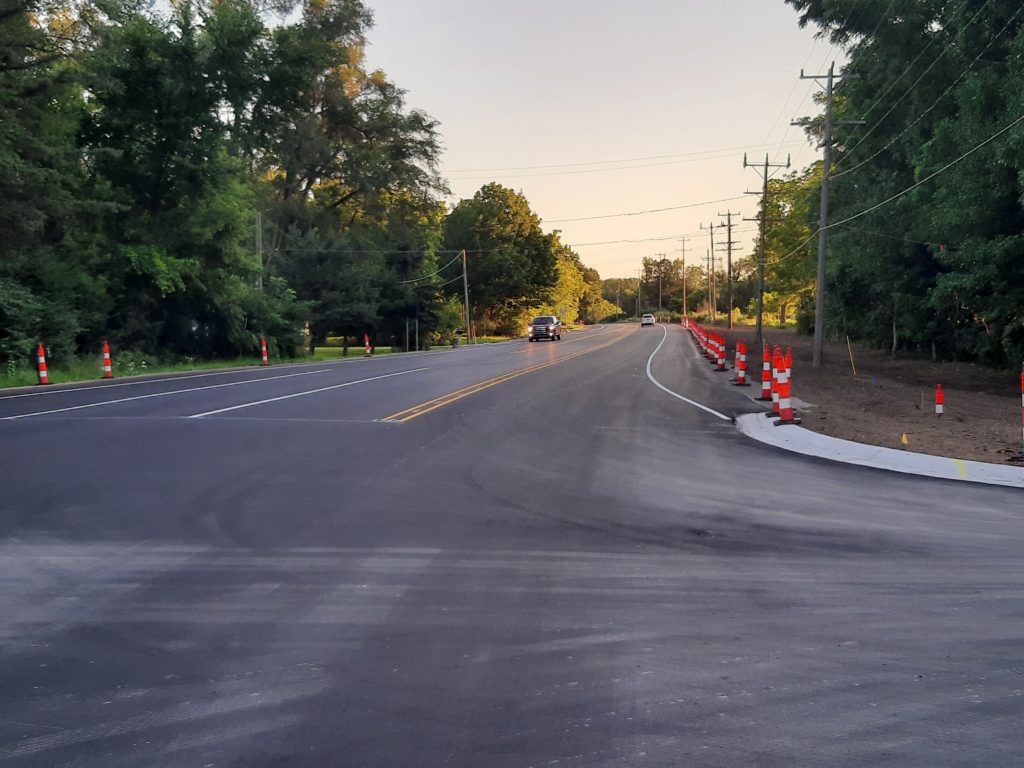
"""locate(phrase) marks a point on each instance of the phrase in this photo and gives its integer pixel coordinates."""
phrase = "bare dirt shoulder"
(888, 397)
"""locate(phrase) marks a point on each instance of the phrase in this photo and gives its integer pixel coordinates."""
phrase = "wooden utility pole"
(465, 288)
(712, 288)
(729, 243)
(766, 175)
(661, 267)
(683, 251)
(826, 124)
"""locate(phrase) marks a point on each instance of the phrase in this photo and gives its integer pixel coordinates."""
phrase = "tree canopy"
(940, 268)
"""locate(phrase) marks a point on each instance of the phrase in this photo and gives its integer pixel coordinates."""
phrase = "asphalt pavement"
(510, 555)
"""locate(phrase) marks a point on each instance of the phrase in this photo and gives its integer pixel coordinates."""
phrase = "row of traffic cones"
(107, 370)
(776, 370)
(777, 383)
(777, 373)
(108, 367)
(44, 375)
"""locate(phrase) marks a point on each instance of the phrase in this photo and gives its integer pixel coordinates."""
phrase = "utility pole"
(683, 251)
(639, 273)
(259, 249)
(762, 217)
(712, 281)
(660, 270)
(707, 267)
(729, 243)
(826, 124)
(465, 288)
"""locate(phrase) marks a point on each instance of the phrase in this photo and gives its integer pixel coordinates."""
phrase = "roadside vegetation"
(937, 272)
(186, 179)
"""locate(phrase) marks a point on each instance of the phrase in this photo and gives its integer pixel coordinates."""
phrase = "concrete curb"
(800, 440)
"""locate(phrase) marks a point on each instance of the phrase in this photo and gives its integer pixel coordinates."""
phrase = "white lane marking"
(661, 386)
(247, 369)
(243, 369)
(162, 394)
(301, 394)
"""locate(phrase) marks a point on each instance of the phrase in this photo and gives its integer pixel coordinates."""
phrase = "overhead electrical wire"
(597, 162)
(913, 85)
(653, 239)
(885, 91)
(642, 213)
(903, 192)
(439, 269)
(724, 154)
(934, 104)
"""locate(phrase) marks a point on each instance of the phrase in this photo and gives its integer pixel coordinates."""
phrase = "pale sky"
(576, 83)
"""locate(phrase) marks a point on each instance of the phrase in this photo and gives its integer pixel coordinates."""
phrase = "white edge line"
(662, 387)
(300, 394)
(161, 394)
(158, 380)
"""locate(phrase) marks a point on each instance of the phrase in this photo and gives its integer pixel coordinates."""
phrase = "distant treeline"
(183, 183)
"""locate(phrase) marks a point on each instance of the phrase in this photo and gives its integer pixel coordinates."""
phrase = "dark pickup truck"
(545, 327)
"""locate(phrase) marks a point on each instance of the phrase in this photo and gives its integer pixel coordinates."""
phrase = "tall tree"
(940, 267)
(512, 264)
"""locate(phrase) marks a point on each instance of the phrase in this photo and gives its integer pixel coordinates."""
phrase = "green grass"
(84, 370)
(79, 369)
(334, 353)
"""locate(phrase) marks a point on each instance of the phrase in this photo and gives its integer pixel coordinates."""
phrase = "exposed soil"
(888, 397)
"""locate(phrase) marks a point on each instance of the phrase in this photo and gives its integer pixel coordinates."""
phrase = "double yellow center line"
(438, 402)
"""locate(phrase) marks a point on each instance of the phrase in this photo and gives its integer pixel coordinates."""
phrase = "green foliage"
(139, 149)
(512, 264)
(941, 269)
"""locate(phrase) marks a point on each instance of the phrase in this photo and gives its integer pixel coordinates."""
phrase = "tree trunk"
(894, 329)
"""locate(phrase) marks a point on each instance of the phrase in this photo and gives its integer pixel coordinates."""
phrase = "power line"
(943, 95)
(596, 162)
(647, 239)
(930, 176)
(920, 77)
(641, 213)
(911, 188)
(885, 92)
(446, 282)
(596, 170)
(439, 270)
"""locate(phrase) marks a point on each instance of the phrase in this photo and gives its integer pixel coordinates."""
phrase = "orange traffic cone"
(778, 369)
(766, 375)
(741, 364)
(786, 414)
(44, 377)
(366, 341)
(108, 369)
(263, 346)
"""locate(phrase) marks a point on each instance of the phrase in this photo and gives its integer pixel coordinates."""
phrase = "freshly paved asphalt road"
(571, 567)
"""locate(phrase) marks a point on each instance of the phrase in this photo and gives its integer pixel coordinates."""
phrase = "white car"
(647, 319)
